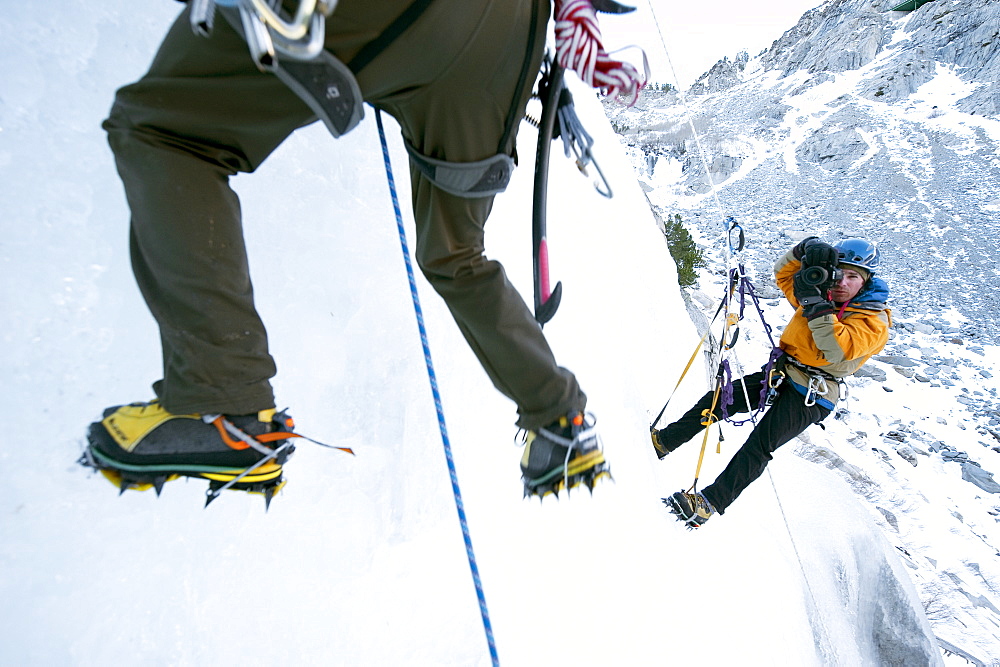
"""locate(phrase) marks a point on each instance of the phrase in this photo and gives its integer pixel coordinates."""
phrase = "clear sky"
(697, 34)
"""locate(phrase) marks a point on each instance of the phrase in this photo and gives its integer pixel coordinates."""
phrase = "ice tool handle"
(267, 33)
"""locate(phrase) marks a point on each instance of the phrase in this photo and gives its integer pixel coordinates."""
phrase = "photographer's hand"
(811, 297)
(813, 252)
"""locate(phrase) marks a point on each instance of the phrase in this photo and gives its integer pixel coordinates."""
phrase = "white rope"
(819, 626)
(728, 255)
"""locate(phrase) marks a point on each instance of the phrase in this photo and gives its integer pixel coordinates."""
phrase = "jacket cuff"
(815, 310)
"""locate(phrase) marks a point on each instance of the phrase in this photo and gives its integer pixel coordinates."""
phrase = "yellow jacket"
(837, 346)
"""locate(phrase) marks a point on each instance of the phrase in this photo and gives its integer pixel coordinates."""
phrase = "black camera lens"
(815, 275)
(819, 276)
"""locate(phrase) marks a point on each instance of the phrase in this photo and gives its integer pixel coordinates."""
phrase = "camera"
(818, 276)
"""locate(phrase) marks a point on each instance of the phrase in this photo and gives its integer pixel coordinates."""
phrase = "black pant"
(785, 419)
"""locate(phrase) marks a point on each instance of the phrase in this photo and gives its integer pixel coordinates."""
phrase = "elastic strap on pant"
(472, 180)
(483, 178)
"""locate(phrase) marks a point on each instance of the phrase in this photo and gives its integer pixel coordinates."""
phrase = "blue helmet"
(858, 252)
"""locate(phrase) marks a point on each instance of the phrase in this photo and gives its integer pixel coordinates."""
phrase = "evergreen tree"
(686, 253)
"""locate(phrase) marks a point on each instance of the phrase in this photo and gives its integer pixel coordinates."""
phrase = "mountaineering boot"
(562, 455)
(659, 445)
(691, 508)
(141, 446)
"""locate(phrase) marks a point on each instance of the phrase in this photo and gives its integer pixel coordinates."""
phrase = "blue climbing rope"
(437, 397)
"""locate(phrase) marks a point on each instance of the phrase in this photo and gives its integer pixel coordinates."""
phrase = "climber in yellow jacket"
(840, 321)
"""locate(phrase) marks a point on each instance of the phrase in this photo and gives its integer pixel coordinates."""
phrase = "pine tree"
(687, 255)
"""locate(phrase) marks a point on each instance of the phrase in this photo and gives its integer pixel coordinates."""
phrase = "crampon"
(264, 478)
(693, 509)
(142, 446)
(586, 470)
(563, 456)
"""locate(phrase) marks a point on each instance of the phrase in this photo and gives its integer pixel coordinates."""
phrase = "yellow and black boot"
(660, 443)
(142, 446)
(693, 509)
(563, 455)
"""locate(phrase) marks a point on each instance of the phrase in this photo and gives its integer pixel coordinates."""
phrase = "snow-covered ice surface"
(360, 560)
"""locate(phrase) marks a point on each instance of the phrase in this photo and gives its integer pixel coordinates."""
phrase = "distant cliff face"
(845, 35)
(857, 122)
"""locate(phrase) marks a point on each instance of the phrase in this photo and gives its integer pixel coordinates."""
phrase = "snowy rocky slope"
(859, 121)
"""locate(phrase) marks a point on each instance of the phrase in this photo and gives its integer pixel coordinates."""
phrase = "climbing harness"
(290, 45)
(456, 491)
(483, 178)
(817, 387)
(293, 51)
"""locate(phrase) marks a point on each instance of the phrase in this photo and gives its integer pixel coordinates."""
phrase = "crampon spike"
(600, 476)
(268, 494)
(158, 484)
(690, 525)
(589, 479)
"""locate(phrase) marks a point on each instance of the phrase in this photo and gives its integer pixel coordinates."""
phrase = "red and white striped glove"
(579, 48)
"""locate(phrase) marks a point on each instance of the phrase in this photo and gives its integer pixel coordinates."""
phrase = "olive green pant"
(204, 113)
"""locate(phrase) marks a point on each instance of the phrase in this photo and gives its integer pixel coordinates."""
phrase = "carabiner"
(606, 192)
(742, 237)
(266, 33)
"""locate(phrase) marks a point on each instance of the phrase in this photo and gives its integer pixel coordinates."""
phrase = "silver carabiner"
(817, 387)
(266, 33)
(293, 30)
(606, 192)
